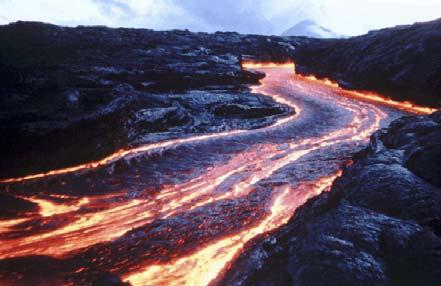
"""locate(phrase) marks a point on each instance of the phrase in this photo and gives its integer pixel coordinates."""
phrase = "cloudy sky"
(346, 17)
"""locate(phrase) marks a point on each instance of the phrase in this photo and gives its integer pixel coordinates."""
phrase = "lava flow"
(361, 95)
(182, 222)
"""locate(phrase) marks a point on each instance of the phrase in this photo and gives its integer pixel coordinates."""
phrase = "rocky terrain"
(403, 62)
(89, 91)
(379, 224)
(71, 95)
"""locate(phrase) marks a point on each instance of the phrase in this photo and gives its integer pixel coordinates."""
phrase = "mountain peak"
(309, 28)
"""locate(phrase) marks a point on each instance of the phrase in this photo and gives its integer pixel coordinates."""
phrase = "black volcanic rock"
(81, 93)
(403, 62)
(70, 95)
(10, 206)
(108, 279)
(379, 225)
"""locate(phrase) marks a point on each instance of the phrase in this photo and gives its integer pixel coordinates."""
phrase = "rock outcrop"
(89, 90)
(71, 95)
(81, 93)
(403, 62)
(379, 224)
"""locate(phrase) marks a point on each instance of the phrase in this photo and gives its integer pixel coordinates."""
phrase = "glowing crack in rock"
(256, 190)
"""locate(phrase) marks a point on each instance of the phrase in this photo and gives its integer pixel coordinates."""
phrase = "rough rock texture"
(89, 91)
(403, 62)
(81, 93)
(379, 225)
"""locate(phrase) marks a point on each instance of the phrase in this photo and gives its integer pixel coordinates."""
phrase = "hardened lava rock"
(379, 225)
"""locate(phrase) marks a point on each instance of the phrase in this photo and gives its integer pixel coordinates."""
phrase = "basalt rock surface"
(81, 93)
(380, 224)
(89, 91)
(70, 95)
(403, 62)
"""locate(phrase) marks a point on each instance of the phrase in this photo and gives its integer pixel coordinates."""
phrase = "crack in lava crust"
(187, 232)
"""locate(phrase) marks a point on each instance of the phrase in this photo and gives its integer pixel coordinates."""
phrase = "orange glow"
(362, 95)
(6, 225)
(85, 230)
(129, 153)
(119, 218)
(259, 65)
(48, 208)
(120, 154)
(373, 97)
(201, 267)
(90, 220)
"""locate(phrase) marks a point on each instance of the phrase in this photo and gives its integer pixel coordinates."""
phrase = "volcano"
(309, 28)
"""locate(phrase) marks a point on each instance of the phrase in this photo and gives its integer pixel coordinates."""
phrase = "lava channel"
(189, 232)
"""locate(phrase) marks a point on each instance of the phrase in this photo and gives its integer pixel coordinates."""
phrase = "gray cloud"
(348, 17)
(231, 15)
(109, 6)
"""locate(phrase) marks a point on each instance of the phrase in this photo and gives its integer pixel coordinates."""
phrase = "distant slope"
(403, 62)
(309, 28)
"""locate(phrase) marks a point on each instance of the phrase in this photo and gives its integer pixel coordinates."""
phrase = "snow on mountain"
(309, 28)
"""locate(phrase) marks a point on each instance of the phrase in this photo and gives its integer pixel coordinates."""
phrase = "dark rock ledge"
(379, 225)
(81, 93)
(72, 95)
(402, 62)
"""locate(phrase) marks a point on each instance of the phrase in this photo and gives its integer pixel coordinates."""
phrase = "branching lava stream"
(163, 221)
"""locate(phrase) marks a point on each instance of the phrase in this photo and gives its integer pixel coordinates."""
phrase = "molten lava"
(126, 153)
(266, 65)
(204, 266)
(189, 231)
(373, 97)
(362, 95)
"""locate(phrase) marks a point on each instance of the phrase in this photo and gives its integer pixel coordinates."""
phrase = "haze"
(346, 17)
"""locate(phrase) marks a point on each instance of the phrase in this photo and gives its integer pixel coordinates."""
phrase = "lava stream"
(98, 227)
(130, 153)
(202, 267)
(299, 144)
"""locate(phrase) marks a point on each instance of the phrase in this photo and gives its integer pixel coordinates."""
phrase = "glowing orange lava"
(362, 95)
(48, 208)
(129, 153)
(125, 153)
(374, 97)
(263, 65)
(90, 220)
(203, 266)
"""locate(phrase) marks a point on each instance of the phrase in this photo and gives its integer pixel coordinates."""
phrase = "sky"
(345, 17)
